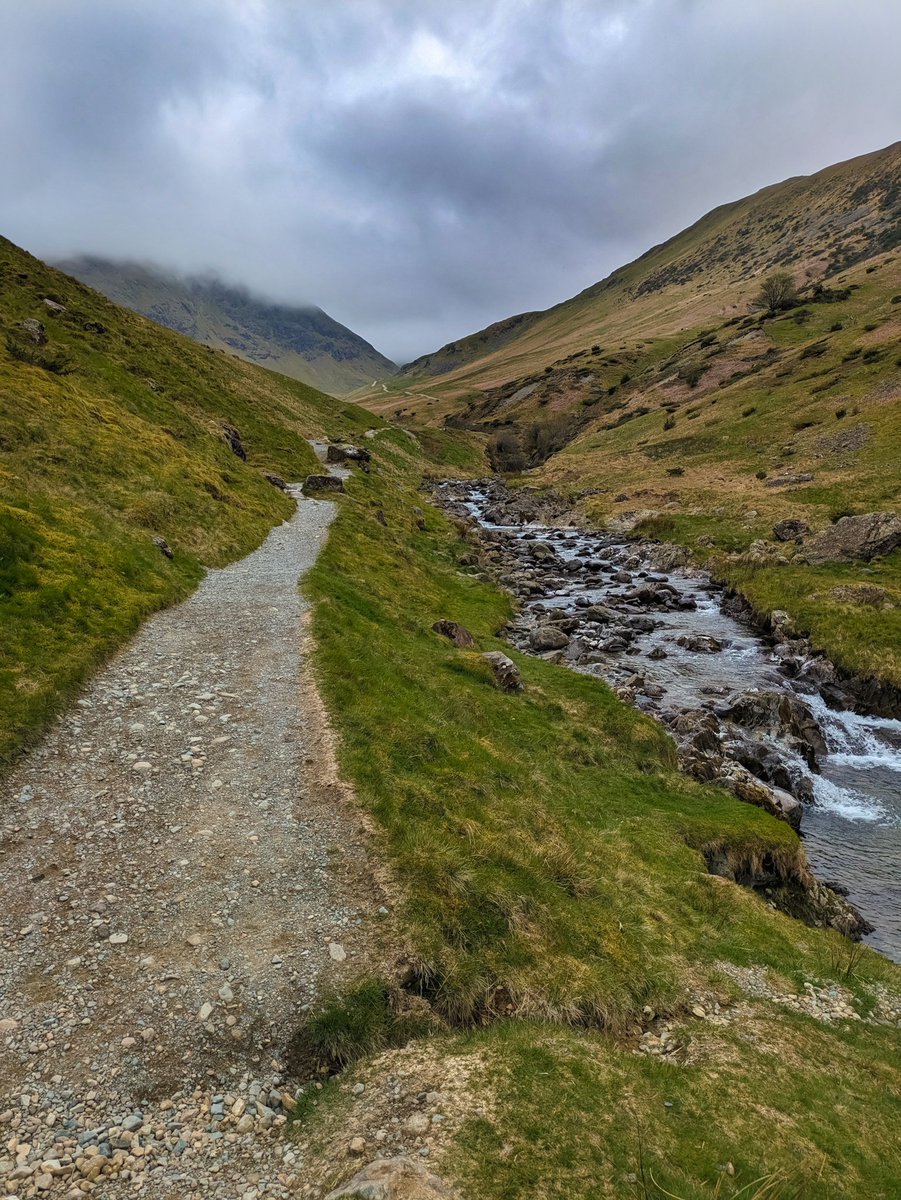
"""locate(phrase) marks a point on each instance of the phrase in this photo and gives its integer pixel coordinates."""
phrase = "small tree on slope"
(777, 292)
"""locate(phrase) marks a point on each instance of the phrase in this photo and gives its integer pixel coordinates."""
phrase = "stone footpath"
(180, 876)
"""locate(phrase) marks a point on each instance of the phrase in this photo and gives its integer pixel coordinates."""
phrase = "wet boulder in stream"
(700, 643)
(780, 715)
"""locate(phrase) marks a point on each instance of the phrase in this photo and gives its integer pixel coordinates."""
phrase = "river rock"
(548, 637)
(600, 614)
(393, 1179)
(666, 556)
(739, 780)
(542, 552)
(699, 737)
(855, 538)
(779, 714)
(701, 643)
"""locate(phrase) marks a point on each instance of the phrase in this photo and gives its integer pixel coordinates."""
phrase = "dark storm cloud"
(418, 168)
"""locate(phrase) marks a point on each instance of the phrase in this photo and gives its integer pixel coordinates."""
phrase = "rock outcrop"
(855, 538)
(457, 633)
(339, 452)
(322, 483)
(790, 530)
(505, 671)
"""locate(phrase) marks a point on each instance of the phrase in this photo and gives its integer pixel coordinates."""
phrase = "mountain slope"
(114, 431)
(302, 342)
(815, 226)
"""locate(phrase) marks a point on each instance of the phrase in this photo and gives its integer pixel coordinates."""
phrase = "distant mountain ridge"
(302, 342)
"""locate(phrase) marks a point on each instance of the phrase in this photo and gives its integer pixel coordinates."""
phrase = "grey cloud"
(417, 168)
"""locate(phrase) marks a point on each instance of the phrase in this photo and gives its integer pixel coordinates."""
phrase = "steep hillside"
(114, 432)
(815, 226)
(302, 342)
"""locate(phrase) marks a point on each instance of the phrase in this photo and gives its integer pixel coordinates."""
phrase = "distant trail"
(179, 875)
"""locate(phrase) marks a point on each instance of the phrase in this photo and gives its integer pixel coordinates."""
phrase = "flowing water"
(852, 828)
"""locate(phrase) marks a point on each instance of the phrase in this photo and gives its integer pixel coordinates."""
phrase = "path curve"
(179, 875)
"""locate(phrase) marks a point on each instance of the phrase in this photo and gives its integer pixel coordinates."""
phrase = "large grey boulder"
(322, 483)
(36, 331)
(855, 538)
(393, 1179)
(548, 637)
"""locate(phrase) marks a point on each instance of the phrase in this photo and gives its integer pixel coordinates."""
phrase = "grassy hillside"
(751, 422)
(302, 342)
(816, 226)
(558, 900)
(111, 434)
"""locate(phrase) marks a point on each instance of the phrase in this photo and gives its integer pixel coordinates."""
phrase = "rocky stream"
(752, 709)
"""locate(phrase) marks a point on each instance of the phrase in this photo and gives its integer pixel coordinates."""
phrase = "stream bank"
(766, 717)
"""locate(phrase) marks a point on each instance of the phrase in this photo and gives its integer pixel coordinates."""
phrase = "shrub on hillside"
(505, 452)
(777, 293)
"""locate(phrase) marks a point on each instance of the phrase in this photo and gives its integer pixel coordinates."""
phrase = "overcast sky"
(418, 168)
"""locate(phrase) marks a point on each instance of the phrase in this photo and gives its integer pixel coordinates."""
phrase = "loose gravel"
(181, 873)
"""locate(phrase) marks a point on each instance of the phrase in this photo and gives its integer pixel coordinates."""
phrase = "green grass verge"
(776, 1106)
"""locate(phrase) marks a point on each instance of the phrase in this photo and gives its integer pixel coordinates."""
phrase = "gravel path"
(180, 874)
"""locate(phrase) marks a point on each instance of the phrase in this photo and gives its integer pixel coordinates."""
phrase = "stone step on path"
(181, 872)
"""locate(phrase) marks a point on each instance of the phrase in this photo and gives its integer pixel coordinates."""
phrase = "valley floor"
(181, 874)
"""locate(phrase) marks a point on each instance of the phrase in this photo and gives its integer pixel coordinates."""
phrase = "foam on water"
(851, 805)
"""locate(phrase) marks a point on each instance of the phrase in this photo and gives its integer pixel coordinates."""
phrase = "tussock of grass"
(370, 1017)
